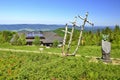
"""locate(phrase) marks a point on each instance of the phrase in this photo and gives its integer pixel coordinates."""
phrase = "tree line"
(88, 38)
(15, 38)
(94, 37)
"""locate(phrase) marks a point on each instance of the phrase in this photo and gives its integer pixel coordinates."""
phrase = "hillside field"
(23, 62)
(44, 66)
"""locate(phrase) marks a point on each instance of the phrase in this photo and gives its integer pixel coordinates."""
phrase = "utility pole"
(81, 31)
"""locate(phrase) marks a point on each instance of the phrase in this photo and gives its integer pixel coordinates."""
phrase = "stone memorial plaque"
(106, 48)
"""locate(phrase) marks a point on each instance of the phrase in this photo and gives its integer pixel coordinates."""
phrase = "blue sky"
(101, 12)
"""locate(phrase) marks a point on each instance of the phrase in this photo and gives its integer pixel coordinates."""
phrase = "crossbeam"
(67, 31)
(75, 20)
(86, 20)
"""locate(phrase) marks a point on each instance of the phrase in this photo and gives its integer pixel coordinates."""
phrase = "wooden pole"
(81, 31)
(71, 35)
(70, 40)
(64, 40)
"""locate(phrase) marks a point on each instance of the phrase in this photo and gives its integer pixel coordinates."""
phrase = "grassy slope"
(7, 45)
(83, 50)
(29, 66)
(92, 50)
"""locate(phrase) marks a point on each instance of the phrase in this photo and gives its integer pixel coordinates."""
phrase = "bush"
(36, 41)
(55, 43)
(18, 39)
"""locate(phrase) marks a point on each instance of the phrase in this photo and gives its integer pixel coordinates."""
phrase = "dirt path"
(115, 61)
(14, 50)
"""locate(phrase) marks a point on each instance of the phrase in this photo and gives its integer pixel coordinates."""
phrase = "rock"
(41, 49)
(106, 48)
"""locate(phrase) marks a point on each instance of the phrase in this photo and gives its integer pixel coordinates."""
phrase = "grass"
(9, 46)
(42, 66)
(88, 50)
(96, 51)
(83, 50)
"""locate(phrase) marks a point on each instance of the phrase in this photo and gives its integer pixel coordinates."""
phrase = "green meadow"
(23, 62)
(45, 66)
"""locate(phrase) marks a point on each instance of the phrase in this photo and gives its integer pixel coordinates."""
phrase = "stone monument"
(106, 48)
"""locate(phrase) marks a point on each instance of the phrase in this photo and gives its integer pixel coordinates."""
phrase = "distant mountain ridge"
(40, 27)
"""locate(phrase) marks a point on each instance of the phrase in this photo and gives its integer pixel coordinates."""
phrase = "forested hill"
(41, 27)
(94, 37)
(29, 27)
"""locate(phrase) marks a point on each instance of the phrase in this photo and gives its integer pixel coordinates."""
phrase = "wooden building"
(46, 38)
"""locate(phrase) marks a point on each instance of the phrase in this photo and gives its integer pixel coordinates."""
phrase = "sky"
(101, 12)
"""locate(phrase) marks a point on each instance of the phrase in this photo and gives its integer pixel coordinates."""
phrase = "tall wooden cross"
(81, 31)
(71, 35)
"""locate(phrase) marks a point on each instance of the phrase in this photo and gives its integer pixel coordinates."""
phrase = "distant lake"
(40, 27)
